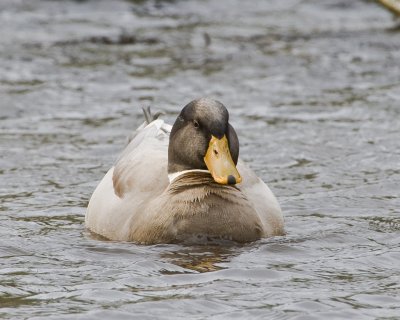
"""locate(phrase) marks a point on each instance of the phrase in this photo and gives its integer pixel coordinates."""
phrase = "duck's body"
(136, 201)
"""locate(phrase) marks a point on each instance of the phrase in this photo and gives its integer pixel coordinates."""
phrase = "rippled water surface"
(313, 89)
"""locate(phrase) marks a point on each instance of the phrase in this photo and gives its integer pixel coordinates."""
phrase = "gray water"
(313, 90)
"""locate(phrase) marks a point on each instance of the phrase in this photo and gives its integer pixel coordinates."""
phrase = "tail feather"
(149, 117)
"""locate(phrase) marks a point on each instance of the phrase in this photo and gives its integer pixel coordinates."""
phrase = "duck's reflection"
(202, 258)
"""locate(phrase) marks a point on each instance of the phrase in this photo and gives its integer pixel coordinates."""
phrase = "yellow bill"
(219, 162)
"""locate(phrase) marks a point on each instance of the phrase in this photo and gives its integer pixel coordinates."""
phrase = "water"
(313, 89)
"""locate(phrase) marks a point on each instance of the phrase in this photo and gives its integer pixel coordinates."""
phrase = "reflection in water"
(12, 301)
(202, 258)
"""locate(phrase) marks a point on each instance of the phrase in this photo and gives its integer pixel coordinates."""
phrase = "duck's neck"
(174, 175)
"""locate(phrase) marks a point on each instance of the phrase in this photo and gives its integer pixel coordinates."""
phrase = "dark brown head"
(202, 138)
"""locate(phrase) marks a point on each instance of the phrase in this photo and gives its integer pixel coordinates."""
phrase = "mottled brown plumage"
(197, 206)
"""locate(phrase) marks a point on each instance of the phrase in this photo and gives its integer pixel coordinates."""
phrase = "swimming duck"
(184, 183)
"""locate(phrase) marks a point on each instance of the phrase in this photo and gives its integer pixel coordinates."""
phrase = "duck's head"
(202, 138)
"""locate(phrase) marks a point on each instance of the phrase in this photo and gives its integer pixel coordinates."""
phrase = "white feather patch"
(173, 176)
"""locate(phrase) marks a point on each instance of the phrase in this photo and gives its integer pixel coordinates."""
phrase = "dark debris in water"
(384, 224)
(122, 39)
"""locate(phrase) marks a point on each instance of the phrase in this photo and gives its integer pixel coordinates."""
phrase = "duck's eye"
(196, 124)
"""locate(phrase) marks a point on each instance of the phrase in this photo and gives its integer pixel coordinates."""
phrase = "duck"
(184, 183)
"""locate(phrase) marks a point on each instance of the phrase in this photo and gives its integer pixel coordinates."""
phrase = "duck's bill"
(219, 162)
